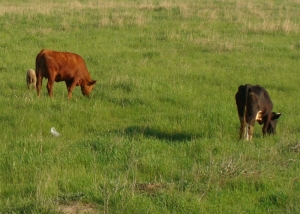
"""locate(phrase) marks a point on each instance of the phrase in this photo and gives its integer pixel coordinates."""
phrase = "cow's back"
(262, 98)
(62, 65)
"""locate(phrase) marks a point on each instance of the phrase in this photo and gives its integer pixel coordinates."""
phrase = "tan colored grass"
(150, 188)
(250, 16)
(26, 9)
(140, 19)
(269, 26)
(78, 208)
(264, 18)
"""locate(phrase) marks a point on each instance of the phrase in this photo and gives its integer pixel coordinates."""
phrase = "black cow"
(254, 104)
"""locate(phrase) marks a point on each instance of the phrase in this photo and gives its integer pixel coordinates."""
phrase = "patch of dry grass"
(266, 18)
(149, 188)
(77, 207)
(251, 16)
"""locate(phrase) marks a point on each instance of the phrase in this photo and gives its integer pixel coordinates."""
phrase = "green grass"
(160, 131)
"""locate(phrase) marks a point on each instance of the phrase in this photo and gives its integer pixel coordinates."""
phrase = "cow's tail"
(246, 129)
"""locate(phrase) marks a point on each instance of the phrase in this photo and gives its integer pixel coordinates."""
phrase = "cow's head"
(87, 88)
(272, 125)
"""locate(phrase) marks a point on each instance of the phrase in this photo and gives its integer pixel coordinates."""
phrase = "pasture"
(159, 133)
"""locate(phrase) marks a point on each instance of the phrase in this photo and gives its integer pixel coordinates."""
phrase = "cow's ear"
(92, 83)
(275, 115)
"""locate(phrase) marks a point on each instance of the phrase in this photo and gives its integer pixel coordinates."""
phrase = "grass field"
(159, 133)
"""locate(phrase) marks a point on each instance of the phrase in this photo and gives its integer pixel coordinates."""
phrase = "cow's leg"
(266, 121)
(247, 130)
(70, 86)
(250, 130)
(39, 84)
(49, 86)
(251, 118)
(242, 128)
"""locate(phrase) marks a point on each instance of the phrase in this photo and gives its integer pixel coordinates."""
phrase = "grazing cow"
(254, 104)
(30, 78)
(63, 66)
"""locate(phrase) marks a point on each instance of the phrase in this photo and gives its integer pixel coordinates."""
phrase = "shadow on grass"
(162, 135)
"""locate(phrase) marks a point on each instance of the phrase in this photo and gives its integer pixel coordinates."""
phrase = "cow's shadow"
(158, 134)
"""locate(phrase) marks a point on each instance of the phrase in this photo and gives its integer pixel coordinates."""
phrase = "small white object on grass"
(54, 132)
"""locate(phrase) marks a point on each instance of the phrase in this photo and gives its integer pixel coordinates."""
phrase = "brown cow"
(63, 66)
(254, 104)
